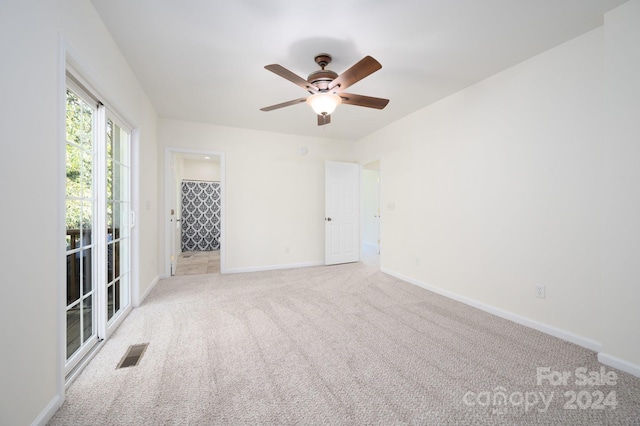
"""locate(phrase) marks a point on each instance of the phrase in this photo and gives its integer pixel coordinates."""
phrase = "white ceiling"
(202, 60)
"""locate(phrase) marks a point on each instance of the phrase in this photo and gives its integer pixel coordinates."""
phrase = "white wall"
(207, 170)
(274, 195)
(621, 218)
(529, 177)
(497, 188)
(31, 114)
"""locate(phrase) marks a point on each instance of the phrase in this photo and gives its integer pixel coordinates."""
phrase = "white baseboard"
(48, 412)
(138, 302)
(545, 328)
(620, 364)
(273, 267)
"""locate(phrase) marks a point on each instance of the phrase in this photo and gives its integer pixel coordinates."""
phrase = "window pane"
(123, 258)
(110, 222)
(73, 209)
(86, 131)
(87, 317)
(116, 142)
(109, 302)
(117, 219)
(87, 175)
(73, 277)
(124, 183)
(87, 222)
(116, 296)
(117, 183)
(74, 117)
(109, 262)
(109, 179)
(124, 285)
(124, 220)
(73, 330)
(116, 259)
(123, 151)
(109, 139)
(86, 271)
(73, 184)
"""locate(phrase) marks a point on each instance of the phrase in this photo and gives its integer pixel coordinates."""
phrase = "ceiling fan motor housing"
(321, 78)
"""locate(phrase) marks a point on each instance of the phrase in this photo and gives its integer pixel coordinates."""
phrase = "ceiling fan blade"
(285, 73)
(365, 67)
(363, 101)
(324, 119)
(284, 104)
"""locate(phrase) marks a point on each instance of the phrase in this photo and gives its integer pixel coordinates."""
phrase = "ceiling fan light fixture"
(324, 103)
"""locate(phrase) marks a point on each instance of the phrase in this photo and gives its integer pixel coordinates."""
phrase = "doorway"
(194, 212)
(371, 211)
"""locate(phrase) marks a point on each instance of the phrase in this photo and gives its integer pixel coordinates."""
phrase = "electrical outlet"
(540, 291)
(417, 261)
(286, 249)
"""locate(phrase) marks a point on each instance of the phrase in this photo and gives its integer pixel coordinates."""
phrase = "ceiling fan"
(326, 87)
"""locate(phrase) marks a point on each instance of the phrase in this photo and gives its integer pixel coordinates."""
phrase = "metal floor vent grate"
(133, 355)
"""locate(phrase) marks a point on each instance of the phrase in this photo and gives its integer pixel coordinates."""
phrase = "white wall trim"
(48, 412)
(274, 267)
(620, 364)
(138, 300)
(527, 322)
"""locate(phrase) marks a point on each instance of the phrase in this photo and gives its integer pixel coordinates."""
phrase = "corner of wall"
(138, 300)
(49, 411)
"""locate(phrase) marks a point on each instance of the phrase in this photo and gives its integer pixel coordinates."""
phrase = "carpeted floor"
(343, 344)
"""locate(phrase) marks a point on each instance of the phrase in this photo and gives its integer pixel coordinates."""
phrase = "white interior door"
(342, 216)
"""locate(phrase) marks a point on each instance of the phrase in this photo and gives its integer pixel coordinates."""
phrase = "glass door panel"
(80, 213)
(118, 214)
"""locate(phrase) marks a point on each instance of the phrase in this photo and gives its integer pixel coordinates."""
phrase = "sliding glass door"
(98, 221)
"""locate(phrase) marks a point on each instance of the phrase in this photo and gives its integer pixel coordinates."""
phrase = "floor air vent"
(133, 355)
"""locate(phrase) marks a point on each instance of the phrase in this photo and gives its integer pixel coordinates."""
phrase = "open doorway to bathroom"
(195, 206)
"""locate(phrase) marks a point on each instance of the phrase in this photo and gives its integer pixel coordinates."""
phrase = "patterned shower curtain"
(200, 216)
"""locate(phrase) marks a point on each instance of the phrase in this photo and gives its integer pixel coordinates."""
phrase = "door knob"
(328, 219)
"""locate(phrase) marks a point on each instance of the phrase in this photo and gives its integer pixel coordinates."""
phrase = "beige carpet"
(333, 345)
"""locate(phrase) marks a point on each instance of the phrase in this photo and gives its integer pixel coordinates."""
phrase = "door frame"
(69, 64)
(169, 202)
